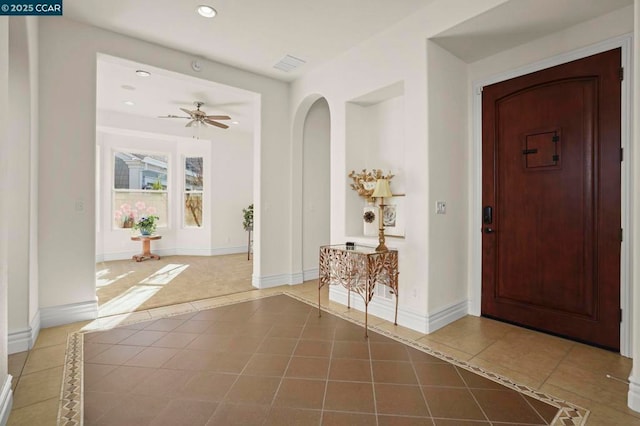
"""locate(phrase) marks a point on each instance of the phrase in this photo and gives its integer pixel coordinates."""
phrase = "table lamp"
(381, 191)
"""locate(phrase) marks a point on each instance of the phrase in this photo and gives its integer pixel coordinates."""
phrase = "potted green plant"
(248, 218)
(146, 224)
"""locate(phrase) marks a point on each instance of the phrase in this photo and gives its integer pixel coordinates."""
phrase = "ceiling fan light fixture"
(198, 118)
(142, 73)
(206, 11)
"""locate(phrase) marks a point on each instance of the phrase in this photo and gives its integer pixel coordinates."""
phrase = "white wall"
(67, 101)
(23, 301)
(5, 379)
(633, 398)
(231, 163)
(18, 199)
(449, 163)
(34, 312)
(396, 56)
(316, 189)
(604, 27)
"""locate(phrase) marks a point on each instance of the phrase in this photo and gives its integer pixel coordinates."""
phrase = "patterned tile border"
(70, 411)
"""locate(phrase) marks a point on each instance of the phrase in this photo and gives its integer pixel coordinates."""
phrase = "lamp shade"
(382, 189)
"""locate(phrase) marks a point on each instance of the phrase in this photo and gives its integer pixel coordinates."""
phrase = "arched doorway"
(311, 184)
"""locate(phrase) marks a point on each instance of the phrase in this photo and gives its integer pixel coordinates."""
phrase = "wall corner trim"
(447, 315)
(6, 400)
(277, 280)
(35, 328)
(23, 340)
(633, 396)
(20, 340)
(296, 278)
(310, 274)
(66, 314)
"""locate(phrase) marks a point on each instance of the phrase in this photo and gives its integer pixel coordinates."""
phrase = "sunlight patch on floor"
(103, 282)
(135, 296)
(165, 275)
(127, 301)
(105, 323)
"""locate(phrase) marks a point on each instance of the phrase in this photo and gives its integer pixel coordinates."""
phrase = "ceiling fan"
(199, 117)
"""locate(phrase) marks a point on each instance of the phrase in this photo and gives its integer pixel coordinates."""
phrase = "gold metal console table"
(358, 269)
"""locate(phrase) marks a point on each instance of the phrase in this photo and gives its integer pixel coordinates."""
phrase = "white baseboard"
(447, 315)
(633, 396)
(23, 340)
(385, 308)
(20, 341)
(6, 400)
(35, 328)
(214, 251)
(185, 251)
(296, 278)
(277, 280)
(270, 281)
(310, 274)
(65, 314)
(379, 307)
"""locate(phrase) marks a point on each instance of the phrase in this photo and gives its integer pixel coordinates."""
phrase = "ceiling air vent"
(289, 63)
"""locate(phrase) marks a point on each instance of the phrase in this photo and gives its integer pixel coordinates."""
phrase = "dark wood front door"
(551, 200)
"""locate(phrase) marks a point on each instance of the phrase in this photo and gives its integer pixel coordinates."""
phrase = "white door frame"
(625, 43)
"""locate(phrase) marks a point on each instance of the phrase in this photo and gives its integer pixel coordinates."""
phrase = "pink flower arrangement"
(126, 215)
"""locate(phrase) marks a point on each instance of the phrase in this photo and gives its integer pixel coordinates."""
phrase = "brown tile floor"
(568, 370)
(272, 360)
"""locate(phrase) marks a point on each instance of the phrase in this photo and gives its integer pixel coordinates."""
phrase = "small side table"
(359, 269)
(146, 247)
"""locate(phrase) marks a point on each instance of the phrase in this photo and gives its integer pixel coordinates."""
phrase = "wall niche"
(374, 140)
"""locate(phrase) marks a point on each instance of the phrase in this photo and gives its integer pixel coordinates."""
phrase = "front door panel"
(551, 174)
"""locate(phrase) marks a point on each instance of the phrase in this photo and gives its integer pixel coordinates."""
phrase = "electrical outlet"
(441, 207)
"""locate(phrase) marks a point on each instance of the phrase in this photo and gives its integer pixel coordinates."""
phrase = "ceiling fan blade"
(215, 123)
(189, 124)
(218, 117)
(171, 116)
(187, 111)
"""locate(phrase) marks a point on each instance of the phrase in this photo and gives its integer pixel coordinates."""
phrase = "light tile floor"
(562, 368)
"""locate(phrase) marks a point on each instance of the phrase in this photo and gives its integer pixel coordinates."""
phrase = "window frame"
(164, 224)
(186, 192)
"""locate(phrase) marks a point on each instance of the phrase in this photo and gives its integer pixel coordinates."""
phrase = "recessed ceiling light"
(143, 73)
(128, 87)
(206, 11)
(235, 122)
(130, 103)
